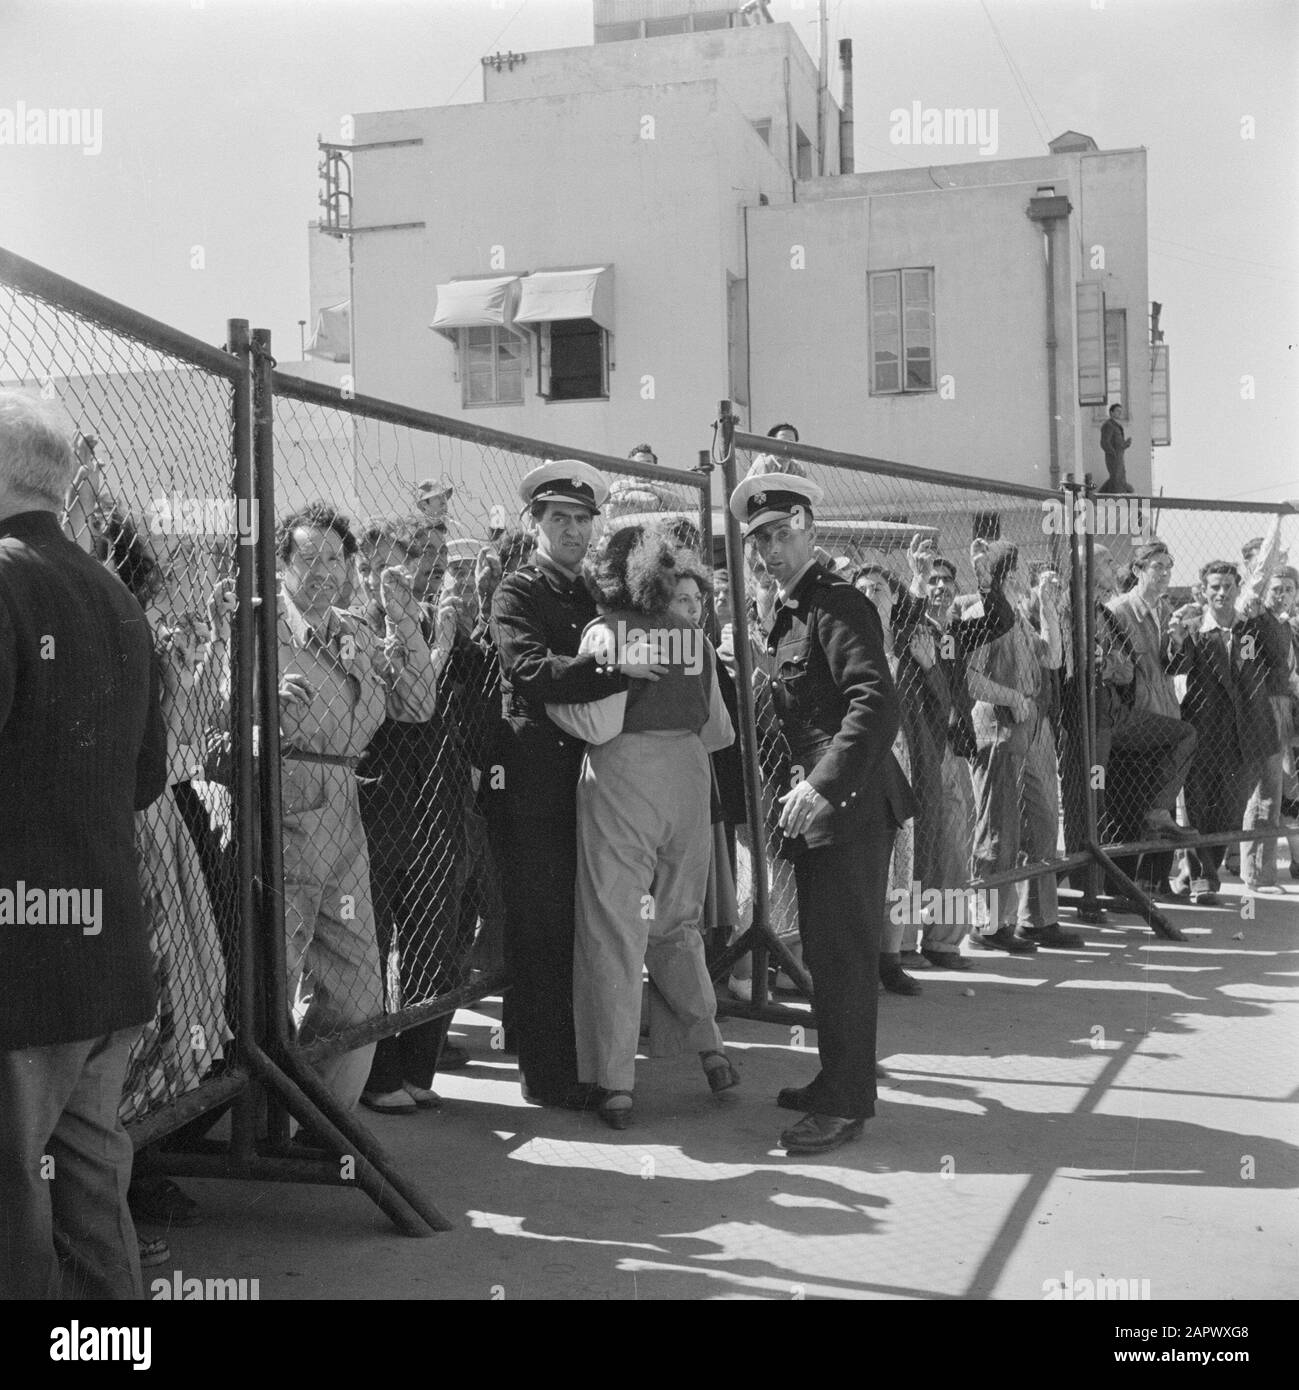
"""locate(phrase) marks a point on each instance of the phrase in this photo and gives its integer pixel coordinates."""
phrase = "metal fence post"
(748, 724)
(305, 1095)
(271, 905)
(243, 793)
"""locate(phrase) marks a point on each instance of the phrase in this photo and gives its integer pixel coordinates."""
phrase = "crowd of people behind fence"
(520, 749)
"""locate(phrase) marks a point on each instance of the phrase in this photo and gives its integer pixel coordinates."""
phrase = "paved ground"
(1124, 1111)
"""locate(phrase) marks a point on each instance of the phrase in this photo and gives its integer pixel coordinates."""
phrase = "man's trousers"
(841, 909)
(1017, 812)
(417, 863)
(332, 956)
(1167, 745)
(65, 1166)
(1258, 859)
(539, 865)
(1217, 789)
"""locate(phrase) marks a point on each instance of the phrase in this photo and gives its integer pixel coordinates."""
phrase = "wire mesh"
(153, 500)
(1202, 732)
(396, 875)
(981, 651)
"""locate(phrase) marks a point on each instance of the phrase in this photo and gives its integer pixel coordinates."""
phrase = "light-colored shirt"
(356, 678)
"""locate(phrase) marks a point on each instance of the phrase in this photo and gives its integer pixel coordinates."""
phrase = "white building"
(618, 236)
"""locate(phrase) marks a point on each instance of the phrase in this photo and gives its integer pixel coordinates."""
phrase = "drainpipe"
(1050, 212)
(846, 165)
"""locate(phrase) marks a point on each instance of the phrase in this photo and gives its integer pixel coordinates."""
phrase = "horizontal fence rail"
(327, 877)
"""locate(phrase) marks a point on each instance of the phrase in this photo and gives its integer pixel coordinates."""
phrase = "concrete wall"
(554, 181)
(810, 327)
(1112, 218)
(327, 261)
(748, 63)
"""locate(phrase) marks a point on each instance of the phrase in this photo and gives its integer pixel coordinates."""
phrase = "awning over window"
(476, 303)
(332, 340)
(548, 295)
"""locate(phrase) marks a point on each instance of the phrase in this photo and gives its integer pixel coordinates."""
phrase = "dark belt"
(301, 755)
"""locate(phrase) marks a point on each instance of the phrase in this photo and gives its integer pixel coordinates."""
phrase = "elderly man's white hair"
(36, 458)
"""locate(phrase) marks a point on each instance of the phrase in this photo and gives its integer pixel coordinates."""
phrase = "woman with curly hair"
(644, 832)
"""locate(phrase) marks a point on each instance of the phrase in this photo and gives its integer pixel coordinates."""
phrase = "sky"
(194, 208)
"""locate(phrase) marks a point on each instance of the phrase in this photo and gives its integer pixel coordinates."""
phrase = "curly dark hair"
(120, 547)
(637, 568)
(321, 516)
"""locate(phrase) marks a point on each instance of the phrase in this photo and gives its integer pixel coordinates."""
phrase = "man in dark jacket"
(1226, 665)
(82, 748)
(839, 711)
(1114, 445)
(538, 616)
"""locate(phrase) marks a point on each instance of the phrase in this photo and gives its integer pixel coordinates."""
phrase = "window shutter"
(1160, 420)
(1090, 323)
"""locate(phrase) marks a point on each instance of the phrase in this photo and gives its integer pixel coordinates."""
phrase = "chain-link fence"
(394, 527)
(1196, 603)
(153, 416)
(1046, 718)
(971, 582)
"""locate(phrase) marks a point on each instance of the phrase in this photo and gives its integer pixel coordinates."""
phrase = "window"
(1090, 329)
(1116, 360)
(491, 366)
(617, 33)
(713, 19)
(902, 331)
(657, 28)
(1160, 424)
(763, 127)
(737, 337)
(574, 360)
(803, 154)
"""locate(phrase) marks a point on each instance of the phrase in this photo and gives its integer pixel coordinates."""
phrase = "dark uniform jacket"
(838, 707)
(538, 616)
(1226, 693)
(83, 747)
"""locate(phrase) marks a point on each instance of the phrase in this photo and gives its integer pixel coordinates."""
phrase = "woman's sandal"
(616, 1116)
(721, 1074)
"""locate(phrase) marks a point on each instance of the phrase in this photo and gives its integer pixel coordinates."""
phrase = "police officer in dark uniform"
(538, 615)
(839, 710)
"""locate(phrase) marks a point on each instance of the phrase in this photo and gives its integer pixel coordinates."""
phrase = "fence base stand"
(1126, 888)
(309, 1101)
(354, 1158)
(762, 942)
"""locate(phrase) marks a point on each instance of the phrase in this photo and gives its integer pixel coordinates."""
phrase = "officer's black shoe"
(1003, 940)
(817, 1134)
(799, 1098)
(896, 980)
